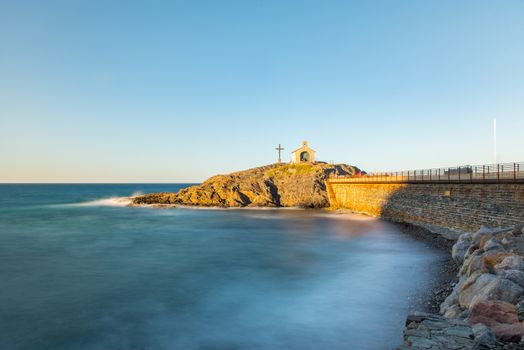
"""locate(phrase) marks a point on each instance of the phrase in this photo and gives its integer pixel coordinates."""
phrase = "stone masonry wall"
(443, 208)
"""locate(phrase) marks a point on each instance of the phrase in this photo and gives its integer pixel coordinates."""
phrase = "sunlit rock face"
(276, 185)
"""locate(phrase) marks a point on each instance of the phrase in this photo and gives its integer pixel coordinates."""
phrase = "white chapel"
(304, 154)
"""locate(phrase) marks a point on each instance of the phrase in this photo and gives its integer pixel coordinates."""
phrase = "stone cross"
(279, 148)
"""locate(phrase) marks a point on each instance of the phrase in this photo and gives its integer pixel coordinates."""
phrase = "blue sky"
(177, 91)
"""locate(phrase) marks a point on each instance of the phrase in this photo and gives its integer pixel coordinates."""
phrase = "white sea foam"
(103, 202)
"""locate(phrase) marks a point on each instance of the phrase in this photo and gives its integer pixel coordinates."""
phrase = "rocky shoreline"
(480, 304)
(275, 185)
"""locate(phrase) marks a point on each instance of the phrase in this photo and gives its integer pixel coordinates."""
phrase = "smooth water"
(78, 271)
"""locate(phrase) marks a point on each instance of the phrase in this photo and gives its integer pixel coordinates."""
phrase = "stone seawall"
(440, 207)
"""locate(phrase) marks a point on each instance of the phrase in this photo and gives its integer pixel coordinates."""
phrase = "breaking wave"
(107, 202)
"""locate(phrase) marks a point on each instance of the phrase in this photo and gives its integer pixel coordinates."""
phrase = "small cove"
(108, 277)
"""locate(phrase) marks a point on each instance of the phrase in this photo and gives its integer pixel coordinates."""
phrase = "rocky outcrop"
(488, 296)
(491, 281)
(428, 331)
(276, 185)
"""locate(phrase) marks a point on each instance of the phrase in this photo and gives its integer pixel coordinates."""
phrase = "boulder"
(493, 258)
(509, 332)
(449, 307)
(500, 289)
(454, 311)
(511, 262)
(500, 316)
(520, 309)
(427, 331)
(473, 263)
(483, 233)
(492, 312)
(515, 276)
(459, 249)
(484, 337)
(473, 286)
(493, 245)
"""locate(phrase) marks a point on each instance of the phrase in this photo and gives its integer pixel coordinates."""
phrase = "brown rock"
(500, 316)
(473, 287)
(492, 259)
(509, 332)
(492, 312)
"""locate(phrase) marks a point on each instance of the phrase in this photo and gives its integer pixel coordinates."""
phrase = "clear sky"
(177, 91)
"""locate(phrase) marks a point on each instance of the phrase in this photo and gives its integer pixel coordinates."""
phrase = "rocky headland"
(276, 185)
(485, 309)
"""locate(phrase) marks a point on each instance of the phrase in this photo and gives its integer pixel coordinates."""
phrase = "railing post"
(439, 174)
(449, 171)
(483, 172)
(459, 172)
(514, 171)
(498, 172)
(471, 174)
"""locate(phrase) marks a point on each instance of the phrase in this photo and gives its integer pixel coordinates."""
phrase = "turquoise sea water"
(80, 271)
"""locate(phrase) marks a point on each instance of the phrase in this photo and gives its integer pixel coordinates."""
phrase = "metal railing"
(504, 172)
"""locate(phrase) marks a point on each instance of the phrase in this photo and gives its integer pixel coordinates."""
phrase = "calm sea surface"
(77, 271)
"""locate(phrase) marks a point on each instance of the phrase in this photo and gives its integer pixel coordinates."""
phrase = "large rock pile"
(488, 297)
(490, 289)
(276, 185)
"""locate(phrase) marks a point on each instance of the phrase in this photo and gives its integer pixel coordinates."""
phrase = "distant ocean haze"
(81, 271)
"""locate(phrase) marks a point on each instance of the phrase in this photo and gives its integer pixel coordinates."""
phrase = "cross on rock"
(279, 149)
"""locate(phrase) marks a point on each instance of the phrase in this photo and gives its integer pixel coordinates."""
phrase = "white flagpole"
(494, 141)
